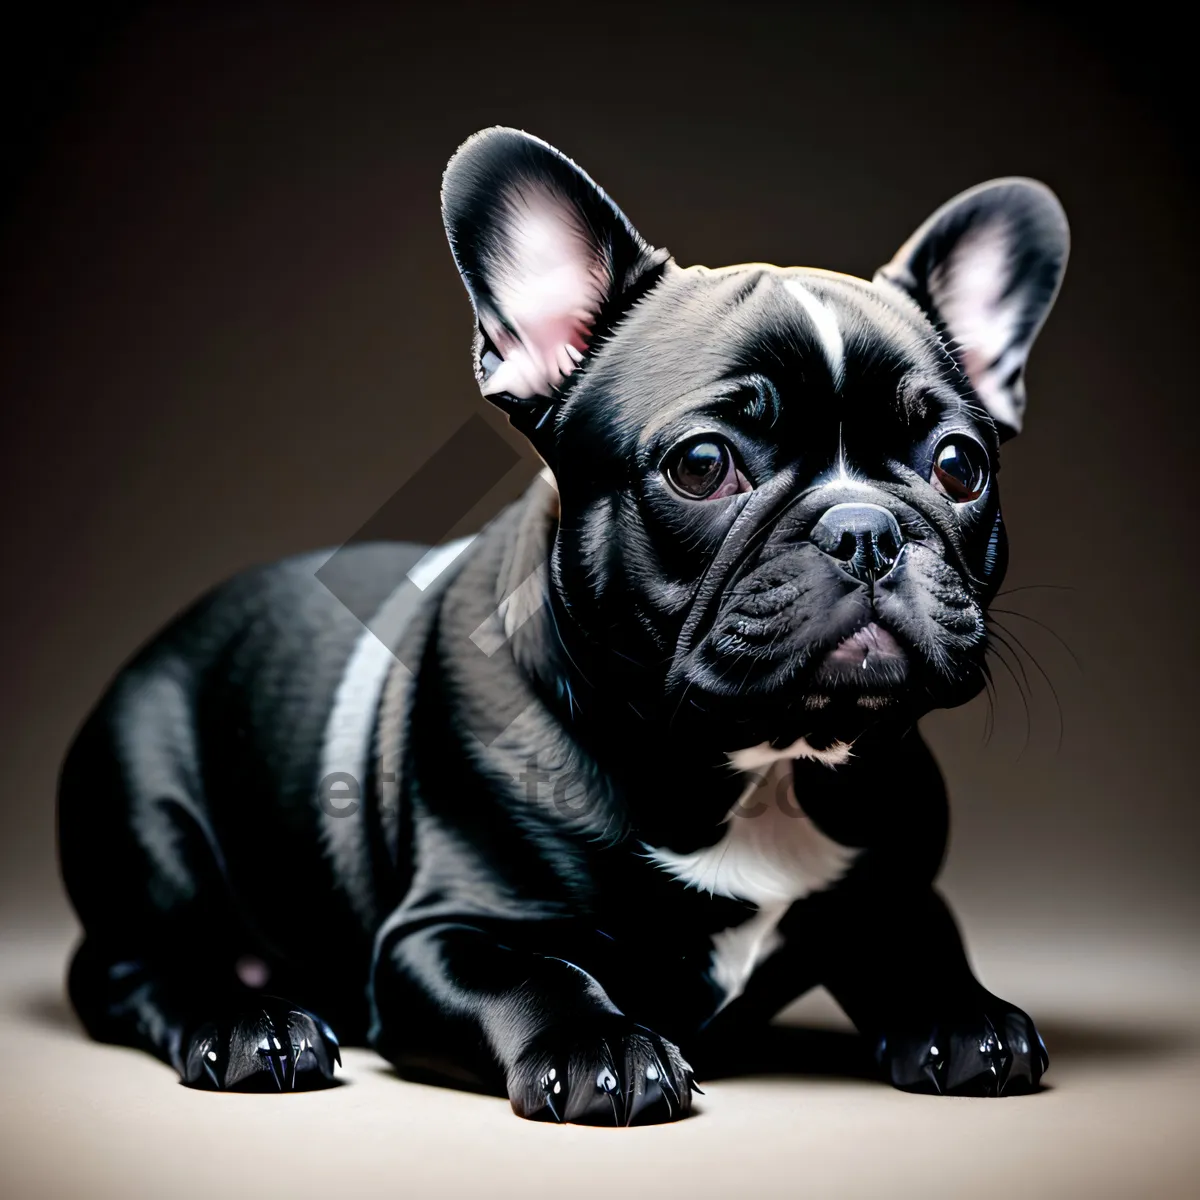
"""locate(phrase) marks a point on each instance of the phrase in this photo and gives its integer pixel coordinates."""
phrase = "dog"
(683, 785)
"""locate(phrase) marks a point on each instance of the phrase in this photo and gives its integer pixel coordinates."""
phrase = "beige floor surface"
(1119, 1117)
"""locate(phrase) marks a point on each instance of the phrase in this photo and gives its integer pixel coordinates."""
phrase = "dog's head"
(779, 514)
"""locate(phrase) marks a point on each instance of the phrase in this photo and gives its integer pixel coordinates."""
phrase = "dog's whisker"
(1012, 612)
(995, 650)
(1021, 648)
(989, 719)
(1032, 587)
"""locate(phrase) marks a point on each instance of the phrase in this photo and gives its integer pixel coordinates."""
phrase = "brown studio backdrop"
(231, 329)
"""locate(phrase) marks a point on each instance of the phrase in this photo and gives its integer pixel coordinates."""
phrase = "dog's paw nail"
(1043, 1056)
(552, 1090)
(202, 1064)
(992, 1053)
(617, 1074)
(275, 1047)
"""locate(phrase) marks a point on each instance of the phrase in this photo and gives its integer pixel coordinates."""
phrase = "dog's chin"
(870, 666)
(866, 678)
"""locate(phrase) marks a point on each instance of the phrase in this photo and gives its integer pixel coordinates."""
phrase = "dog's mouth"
(799, 649)
(863, 676)
(869, 657)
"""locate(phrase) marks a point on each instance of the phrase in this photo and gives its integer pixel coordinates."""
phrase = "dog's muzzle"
(865, 538)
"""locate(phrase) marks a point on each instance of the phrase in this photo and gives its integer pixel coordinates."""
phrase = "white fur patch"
(771, 855)
(737, 951)
(762, 755)
(771, 852)
(825, 322)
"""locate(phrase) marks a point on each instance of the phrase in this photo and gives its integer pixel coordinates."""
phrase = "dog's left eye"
(960, 469)
(702, 468)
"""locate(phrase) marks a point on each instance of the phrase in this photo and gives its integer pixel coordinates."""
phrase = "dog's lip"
(871, 642)
(870, 664)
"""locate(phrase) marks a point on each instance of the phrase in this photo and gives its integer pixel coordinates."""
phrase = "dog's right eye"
(703, 469)
(959, 469)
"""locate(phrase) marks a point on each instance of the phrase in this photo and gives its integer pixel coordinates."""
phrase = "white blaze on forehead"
(969, 291)
(825, 323)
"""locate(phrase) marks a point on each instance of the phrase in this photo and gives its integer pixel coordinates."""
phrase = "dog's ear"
(548, 260)
(986, 268)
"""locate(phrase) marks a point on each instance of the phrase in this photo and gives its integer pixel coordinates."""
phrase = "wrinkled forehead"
(834, 346)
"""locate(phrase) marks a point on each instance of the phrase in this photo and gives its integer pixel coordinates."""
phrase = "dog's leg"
(455, 999)
(882, 940)
(217, 1034)
(162, 935)
(896, 963)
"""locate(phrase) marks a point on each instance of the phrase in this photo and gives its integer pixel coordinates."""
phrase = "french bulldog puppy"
(638, 765)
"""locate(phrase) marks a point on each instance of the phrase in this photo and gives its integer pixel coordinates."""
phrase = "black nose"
(865, 537)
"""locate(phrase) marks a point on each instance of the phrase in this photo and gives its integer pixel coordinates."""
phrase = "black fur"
(483, 901)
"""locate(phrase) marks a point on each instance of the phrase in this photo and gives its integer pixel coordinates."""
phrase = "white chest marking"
(737, 951)
(825, 323)
(771, 854)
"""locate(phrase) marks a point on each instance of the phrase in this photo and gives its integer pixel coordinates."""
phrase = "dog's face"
(779, 513)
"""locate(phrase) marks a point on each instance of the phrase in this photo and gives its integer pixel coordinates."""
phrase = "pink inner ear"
(969, 292)
(549, 282)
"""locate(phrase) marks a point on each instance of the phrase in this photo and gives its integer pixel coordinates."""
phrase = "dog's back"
(194, 827)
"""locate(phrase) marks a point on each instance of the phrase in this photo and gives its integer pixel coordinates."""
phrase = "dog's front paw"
(608, 1072)
(992, 1051)
(274, 1046)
